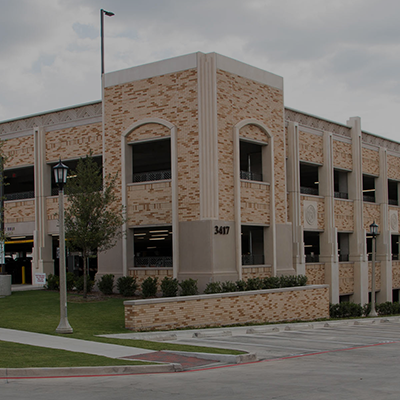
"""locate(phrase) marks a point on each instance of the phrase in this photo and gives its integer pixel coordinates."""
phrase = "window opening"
(395, 247)
(393, 193)
(311, 246)
(151, 160)
(369, 189)
(252, 245)
(153, 247)
(251, 161)
(19, 183)
(309, 181)
(343, 246)
(340, 184)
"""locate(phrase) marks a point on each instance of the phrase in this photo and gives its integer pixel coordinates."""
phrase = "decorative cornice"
(86, 113)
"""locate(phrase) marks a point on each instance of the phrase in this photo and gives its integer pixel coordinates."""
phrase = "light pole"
(373, 230)
(60, 175)
(109, 14)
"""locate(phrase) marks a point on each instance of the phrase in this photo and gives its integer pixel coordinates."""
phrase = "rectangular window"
(251, 161)
(151, 160)
(153, 247)
(369, 248)
(19, 183)
(343, 246)
(340, 184)
(252, 245)
(393, 193)
(309, 182)
(311, 246)
(369, 189)
(395, 247)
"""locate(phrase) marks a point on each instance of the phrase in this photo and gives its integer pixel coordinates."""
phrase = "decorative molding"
(394, 221)
(69, 117)
(310, 214)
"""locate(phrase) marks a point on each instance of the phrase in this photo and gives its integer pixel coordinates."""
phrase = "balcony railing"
(341, 195)
(312, 258)
(393, 202)
(20, 196)
(343, 257)
(250, 176)
(152, 176)
(252, 259)
(369, 199)
(153, 262)
(308, 190)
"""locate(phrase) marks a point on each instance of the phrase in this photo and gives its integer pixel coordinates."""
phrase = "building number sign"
(221, 230)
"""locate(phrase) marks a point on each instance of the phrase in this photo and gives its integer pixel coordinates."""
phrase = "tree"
(93, 219)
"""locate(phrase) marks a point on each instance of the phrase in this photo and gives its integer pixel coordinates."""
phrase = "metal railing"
(308, 190)
(343, 257)
(252, 259)
(153, 262)
(20, 196)
(250, 176)
(312, 258)
(341, 195)
(152, 176)
(393, 202)
(369, 199)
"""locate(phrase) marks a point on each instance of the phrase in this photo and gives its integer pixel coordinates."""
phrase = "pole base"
(64, 327)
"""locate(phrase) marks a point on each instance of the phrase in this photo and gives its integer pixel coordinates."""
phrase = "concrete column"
(328, 238)
(42, 251)
(293, 168)
(358, 253)
(383, 240)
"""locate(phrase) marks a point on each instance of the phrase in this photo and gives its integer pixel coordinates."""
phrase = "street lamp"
(60, 176)
(373, 230)
(109, 14)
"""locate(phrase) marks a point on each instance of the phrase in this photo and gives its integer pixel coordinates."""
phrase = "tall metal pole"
(63, 326)
(373, 312)
(109, 14)
(2, 247)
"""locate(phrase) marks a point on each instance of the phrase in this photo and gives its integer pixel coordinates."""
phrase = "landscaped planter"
(274, 305)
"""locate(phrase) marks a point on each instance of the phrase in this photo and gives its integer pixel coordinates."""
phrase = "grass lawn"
(39, 311)
(15, 355)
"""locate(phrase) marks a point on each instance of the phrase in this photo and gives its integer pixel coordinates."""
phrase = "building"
(220, 180)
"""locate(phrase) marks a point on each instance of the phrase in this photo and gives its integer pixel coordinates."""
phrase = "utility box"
(5, 285)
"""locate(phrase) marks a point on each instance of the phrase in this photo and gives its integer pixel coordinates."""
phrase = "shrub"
(70, 281)
(228, 286)
(240, 285)
(288, 281)
(169, 287)
(106, 284)
(254, 284)
(302, 280)
(345, 310)
(149, 287)
(53, 283)
(213, 287)
(126, 285)
(271, 282)
(366, 309)
(79, 284)
(188, 287)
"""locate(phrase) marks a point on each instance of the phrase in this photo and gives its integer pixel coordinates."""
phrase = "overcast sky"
(338, 58)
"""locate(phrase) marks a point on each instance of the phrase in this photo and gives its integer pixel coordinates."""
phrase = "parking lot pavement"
(269, 344)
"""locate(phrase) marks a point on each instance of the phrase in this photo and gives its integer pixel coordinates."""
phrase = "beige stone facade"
(219, 180)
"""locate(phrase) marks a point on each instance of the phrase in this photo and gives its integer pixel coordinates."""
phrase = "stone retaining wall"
(274, 305)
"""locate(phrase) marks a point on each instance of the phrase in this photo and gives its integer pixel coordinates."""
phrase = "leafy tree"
(93, 219)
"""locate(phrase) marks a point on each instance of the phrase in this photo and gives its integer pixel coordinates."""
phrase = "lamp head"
(373, 229)
(108, 13)
(60, 174)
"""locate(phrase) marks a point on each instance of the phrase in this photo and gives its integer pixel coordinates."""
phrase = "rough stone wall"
(311, 148)
(342, 155)
(19, 211)
(370, 162)
(305, 303)
(396, 274)
(255, 202)
(255, 272)
(371, 213)
(393, 167)
(346, 278)
(149, 203)
(173, 98)
(238, 99)
(344, 215)
(144, 273)
(74, 142)
(377, 275)
(19, 151)
(315, 274)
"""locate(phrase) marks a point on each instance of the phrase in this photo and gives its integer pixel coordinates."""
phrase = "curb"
(223, 358)
(9, 373)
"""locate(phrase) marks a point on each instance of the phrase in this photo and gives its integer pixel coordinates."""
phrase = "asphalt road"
(338, 362)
